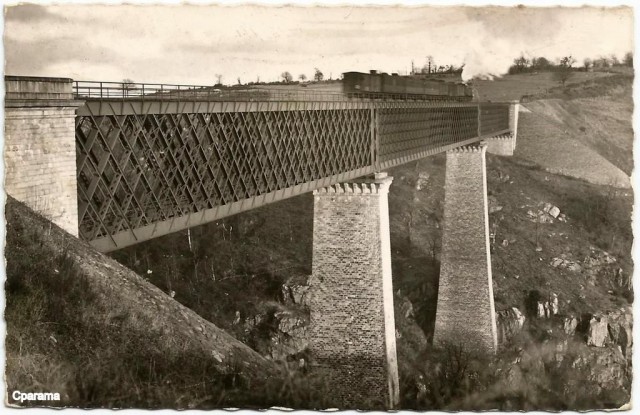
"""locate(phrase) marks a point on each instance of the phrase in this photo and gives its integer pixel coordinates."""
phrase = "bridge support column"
(465, 313)
(352, 330)
(40, 149)
(502, 145)
(505, 145)
(514, 110)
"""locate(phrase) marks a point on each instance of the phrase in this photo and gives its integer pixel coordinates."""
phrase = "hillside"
(581, 135)
(514, 87)
(82, 325)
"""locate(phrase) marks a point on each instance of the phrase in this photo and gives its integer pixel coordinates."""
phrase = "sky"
(191, 44)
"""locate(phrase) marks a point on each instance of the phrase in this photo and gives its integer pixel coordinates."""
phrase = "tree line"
(287, 78)
(523, 64)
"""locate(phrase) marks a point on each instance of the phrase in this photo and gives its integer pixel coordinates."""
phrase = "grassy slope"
(514, 87)
(582, 130)
(80, 324)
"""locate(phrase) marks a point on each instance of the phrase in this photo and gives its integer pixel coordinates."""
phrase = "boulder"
(554, 304)
(422, 181)
(509, 324)
(563, 263)
(608, 368)
(404, 305)
(299, 294)
(569, 325)
(598, 331)
(552, 210)
(620, 327)
(290, 338)
(296, 291)
(253, 321)
(493, 205)
(622, 280)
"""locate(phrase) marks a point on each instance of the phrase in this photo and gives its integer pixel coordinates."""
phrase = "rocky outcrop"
(597, 331)
(563, 262)
(296, 291)
(509, 323)
(537, 307)
(546, 213)
(569, 325)
(422, 181)
(620, 329)
(290, 339)
(279, 331)
(494, 206)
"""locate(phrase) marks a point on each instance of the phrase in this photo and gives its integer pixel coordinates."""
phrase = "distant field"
(513, 87)
(506, 88)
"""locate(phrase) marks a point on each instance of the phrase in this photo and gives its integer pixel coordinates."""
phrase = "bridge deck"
(149, 167)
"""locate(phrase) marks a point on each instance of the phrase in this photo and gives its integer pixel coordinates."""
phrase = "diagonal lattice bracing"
(405, 131)
(146, 169)
(136, 170)
(493, 117)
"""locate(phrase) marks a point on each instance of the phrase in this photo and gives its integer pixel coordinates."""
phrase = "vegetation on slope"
(582, 130)
(81, 325)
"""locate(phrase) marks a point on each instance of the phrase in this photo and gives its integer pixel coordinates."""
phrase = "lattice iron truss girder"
(147, 169)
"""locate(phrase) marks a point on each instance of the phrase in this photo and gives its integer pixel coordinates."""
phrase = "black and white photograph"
(414, 206)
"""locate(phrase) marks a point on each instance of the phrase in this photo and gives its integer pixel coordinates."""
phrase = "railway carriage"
(382, 85)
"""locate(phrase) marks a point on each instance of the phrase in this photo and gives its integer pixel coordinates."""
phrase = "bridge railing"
(138, 91)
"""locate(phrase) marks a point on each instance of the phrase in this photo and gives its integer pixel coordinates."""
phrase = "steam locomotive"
(374, 84)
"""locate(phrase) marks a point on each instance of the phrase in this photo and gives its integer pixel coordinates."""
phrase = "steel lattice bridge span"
(119, 164)
(156, 163)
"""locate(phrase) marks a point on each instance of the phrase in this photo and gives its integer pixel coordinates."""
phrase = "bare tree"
(540, 63)
(318, 76)
(567, 61)
(286, 77)
(302, 77)
(563, 70)
(521, 63)
(587, 63)
(614, 60)
(218, 79)
(127, 85)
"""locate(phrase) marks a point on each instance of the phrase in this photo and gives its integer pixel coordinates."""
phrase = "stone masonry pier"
(352, 330)
(505, 144)
(465, 313)
(40, 147)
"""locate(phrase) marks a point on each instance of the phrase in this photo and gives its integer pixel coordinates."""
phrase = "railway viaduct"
(117, 166)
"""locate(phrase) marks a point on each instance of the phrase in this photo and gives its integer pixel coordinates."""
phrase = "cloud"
(502, 34)
(189, 43)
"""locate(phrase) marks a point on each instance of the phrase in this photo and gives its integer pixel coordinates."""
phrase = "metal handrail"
(126, 90)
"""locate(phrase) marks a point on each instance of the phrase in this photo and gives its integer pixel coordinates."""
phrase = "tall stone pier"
(40, 149)
(505, 144)
(352, 328)
(465, 315)
(514, 111)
